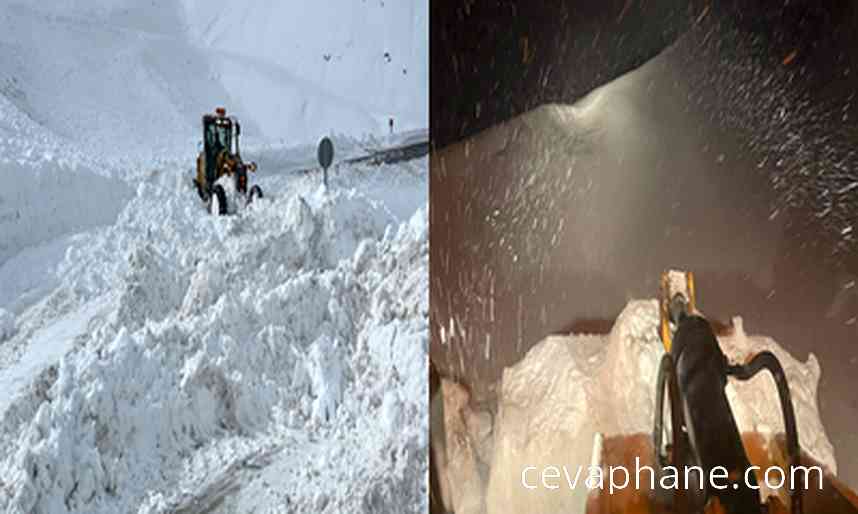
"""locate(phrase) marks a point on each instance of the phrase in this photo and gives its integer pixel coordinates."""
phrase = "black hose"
(767, 360)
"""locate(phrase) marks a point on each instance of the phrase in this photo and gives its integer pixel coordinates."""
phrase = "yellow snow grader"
(221, 174)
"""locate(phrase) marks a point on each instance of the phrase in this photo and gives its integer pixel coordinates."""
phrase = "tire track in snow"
(214, 492)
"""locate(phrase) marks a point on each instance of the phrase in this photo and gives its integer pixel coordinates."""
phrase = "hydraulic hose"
(767, 360)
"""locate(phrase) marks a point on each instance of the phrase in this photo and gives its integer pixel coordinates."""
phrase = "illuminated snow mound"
(568, 388)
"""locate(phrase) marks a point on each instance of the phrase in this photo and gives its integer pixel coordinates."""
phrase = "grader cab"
(220, 157)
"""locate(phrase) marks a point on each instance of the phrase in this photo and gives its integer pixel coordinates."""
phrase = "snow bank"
(49, 200)
(568, 388)
(50, 187)
(306, 311)
(53, 187)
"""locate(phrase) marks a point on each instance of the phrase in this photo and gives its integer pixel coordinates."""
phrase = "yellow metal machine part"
(201, 168)
(668, 290)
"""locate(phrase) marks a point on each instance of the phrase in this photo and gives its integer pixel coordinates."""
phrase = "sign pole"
(326, 157)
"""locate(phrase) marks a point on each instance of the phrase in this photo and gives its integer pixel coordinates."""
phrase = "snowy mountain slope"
(369, 53)
(191, 341)
(113, 88)
(86, 106)
(127, 79)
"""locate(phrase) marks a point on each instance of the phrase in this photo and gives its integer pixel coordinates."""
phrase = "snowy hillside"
(356, 61)
(121, 78)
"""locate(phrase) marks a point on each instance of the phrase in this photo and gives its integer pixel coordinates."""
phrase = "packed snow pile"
(177, 347)
(569, 388)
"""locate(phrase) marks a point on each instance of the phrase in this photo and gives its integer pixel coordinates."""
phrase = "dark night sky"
(492, 60)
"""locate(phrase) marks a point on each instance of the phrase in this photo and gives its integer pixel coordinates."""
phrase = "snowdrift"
(50, 200)
(552, 403)
(53, 188)
(178, 344)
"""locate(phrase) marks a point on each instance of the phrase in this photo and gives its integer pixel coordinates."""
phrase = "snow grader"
(222, 176)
